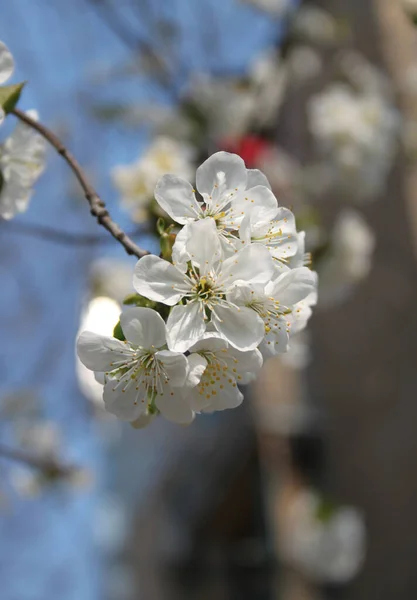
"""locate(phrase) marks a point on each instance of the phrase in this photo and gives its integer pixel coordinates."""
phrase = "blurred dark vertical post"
(364, 370)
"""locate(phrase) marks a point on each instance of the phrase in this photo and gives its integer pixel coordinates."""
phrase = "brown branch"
(49, 466)
(55, 236)
(97, 206)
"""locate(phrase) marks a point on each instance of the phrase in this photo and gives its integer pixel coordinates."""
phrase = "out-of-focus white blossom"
(315, 25)
(304, 64)
(276, 8)
(6, 69)
(111, 277)
(233, 106)
(43, 438)
(136, 182)
(363, 76)
(350, 260)
(327, 544)
(268, 77)
(22, 161)
(358, 135)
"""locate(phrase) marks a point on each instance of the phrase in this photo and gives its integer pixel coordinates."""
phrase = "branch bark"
(55, 236)
(97, 206)
(49, 466)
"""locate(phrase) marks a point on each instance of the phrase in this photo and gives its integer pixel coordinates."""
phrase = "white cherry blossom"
(274, 303)
(6, 69)
(229, 192)
(218, 370)
(203, 289)
(22, 160)
(279, 235)
(140, 374)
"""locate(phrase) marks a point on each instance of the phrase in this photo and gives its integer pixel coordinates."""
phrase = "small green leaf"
(9, 96)
(138, 300)
(160, 226)
(118, 333)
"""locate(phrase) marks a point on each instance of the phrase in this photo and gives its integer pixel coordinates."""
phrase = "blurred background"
(308, 490)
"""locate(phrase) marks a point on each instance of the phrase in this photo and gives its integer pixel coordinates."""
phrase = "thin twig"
(97, 206)
(49, 466)
(56, 236)
(110, 16)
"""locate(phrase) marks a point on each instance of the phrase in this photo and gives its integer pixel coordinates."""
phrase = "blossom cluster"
(357, 132)
(22, 155)
(236, 288)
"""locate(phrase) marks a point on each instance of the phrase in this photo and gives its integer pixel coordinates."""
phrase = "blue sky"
(49, 551)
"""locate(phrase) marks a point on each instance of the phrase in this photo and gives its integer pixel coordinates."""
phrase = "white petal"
(197, 365)
(260, 198)
(293, 286)
(218, 390)
(128, 405)
(243, 294)
(179, 253)
(175, 366)
(210, 341)
(143, 327)
(221, 174)
(98, 352)
(276, 341)
(174, 407)
(248, 363)
(6, 63)
(228, 397)
(159, 280)
(298, 260)
(185, 325)
(256, 177)
(176, 197)
(203, 244)
(243, 328)
(252, 264)
(143, 421)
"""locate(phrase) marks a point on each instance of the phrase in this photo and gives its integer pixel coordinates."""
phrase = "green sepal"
(118, 332)
(9, 96)
(325, 510)
(138, 300)
(160, 226)
(166, 244)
